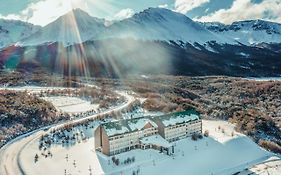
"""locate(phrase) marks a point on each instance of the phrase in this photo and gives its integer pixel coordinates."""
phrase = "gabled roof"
(139, 123)
(125, 126)
(115, 128)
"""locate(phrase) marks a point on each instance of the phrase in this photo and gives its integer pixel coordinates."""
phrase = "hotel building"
(157, 132)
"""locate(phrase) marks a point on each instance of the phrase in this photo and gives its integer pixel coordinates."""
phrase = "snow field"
(271, 166)
(71, 104)
(223, 152)
(32, 89)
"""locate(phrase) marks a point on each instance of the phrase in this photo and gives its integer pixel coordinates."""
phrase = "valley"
(221, 119)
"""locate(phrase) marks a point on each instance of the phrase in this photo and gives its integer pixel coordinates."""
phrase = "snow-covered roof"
(138, 124)
(125, 126)
(179, 117)
(156, 140)
(115, 128)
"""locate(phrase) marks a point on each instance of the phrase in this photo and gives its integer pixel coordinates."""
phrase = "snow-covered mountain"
(12, 31)
(151, 24)
(163, 24)
(176, 43)
(76, 26)
(248, 32)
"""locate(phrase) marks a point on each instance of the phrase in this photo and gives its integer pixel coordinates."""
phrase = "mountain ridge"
(162, 24)
(12, 31)
(77, 26)
(155, 41)
(248, 31)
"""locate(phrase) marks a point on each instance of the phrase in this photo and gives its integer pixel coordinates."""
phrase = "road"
(9, 154)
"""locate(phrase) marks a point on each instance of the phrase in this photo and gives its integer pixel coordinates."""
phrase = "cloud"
(184, 6)
(244, 10)
(10, 17)
(124, 14)
(163, 6)
(46, 11)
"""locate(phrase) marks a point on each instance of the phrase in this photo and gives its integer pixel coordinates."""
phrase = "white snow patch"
(264, 78)
(144, 76)
(32, 89)
(244, 54)
(71, 104)
(271, 166)
(83, 154)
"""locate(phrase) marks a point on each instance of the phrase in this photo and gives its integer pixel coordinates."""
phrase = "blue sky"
(42, 12)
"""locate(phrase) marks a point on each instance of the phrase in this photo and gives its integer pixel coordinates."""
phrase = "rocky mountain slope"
(248, 32)
(12, 31)
(154, 41)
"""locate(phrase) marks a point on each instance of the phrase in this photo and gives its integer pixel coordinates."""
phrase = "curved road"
(9, 154)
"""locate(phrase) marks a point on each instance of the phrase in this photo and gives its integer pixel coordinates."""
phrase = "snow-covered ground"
(271, 166)
(10, 154)
(32, 89)
(71, 104)
(76, 158)
(264, 78)
(223, 152)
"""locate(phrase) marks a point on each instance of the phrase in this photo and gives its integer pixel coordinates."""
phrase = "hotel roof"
(125, 126)
(178, 117)
(137, 124)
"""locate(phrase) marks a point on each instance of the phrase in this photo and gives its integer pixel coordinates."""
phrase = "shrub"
(196, 136)
(206, 133)
(269, 145)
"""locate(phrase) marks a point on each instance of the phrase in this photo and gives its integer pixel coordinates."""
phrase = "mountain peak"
(161, 11)
(79, 11)
(76, 26)
(160, 14)
(162, 24)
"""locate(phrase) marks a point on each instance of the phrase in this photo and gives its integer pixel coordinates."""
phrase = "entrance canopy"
(155, 140)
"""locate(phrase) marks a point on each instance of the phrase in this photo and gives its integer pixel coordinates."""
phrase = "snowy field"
(62, 103)
(71, 104)
(32, 89)
(76, 158)
(264, 78)
(224, 152)
(271, 166)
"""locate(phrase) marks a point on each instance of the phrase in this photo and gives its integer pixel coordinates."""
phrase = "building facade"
(120, 136)
(147, 132)
(176, 126)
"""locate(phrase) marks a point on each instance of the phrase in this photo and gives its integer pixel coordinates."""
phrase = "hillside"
(111, 58)
(12, 31)
(21, 112)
